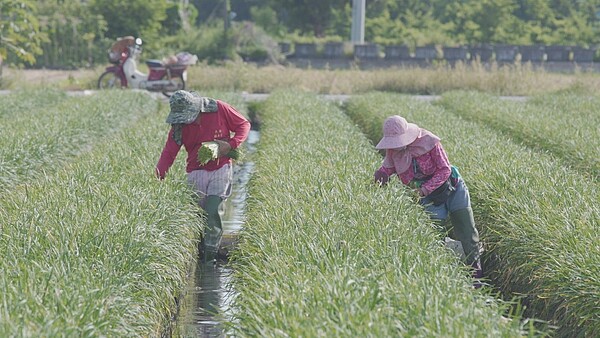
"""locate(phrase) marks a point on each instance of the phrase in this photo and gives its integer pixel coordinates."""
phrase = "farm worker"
(417, 157)
(195, 119)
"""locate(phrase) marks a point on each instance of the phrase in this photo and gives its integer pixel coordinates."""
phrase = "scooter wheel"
(109, 80)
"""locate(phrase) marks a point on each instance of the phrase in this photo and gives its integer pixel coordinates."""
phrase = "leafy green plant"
(540, 245)
(100, 247)
(325, 252)
(564, 124)
(208, 151)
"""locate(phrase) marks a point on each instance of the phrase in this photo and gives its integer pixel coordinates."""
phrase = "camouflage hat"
(185, 107)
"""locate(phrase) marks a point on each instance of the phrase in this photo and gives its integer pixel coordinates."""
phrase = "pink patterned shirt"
(434, 163)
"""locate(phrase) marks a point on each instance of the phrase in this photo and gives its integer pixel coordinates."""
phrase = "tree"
(75, 35)
(180, 16)
(307, 16)
(19, 30)
(482, 21)
(140, 18)
(212, 9)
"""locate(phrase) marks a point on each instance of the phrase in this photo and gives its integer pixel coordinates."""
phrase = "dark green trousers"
(463, 229)
(213, 231)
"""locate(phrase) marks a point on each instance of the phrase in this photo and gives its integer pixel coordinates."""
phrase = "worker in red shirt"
(195, 119)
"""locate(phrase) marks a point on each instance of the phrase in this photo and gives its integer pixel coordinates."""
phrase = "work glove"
(224, 147)
(381, 177)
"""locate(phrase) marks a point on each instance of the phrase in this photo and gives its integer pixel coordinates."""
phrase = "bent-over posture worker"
(195, 119)
(417, 157)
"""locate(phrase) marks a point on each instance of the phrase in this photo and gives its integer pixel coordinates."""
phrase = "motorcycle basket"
(113, 57)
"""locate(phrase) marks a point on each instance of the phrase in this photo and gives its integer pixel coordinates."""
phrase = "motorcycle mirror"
(138, 41)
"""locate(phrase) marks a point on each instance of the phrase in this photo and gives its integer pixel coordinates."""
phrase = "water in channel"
(210, 291)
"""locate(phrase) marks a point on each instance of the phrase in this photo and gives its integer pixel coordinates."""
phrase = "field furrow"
(538, 219)
(326, 252)
(566, 125)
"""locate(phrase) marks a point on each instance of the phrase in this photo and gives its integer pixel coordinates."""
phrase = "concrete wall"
(332, 55)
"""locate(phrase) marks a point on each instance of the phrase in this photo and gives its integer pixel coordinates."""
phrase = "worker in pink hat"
(417, 157)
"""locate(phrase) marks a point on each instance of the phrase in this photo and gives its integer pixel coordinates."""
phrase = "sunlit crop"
(325, 252)
(538, 218)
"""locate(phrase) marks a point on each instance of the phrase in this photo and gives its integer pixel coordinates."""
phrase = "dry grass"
(501, 80)
(242, 77)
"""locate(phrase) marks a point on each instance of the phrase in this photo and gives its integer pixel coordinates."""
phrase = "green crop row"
(41, 139)
(326, 253)
(564, 124)
(538, 219)
(25, 101)
(100, 248)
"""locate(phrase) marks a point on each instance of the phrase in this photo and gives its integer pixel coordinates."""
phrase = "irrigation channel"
(210, 291)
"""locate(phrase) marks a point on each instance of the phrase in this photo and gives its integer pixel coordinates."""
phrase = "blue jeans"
(458, 200)
(458, 208)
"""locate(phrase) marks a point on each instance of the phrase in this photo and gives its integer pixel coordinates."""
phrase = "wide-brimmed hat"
(398, 133)
(185, 107)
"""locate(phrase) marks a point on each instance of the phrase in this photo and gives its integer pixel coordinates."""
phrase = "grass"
(99, 247)
(520, 80)
(325, 252)
(564, 124)
(537, 218)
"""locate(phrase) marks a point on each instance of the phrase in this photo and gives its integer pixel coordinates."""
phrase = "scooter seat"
(154, 63)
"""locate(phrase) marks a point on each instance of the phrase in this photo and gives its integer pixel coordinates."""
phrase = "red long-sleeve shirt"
(226, 124)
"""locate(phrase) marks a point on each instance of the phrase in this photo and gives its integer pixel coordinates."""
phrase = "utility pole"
(226, 24)
(227, 10)
(358, 21)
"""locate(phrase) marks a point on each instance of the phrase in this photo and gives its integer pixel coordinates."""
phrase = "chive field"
(40, 133)
(98, 247)
(564, 124)
(29, 102)
(93, 245)
(325, 252)
(537, 216)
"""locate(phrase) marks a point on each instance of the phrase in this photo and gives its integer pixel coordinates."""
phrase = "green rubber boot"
(213, 231)
(441, 225)
(464, 230)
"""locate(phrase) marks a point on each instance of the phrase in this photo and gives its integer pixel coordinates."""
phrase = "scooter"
(166, 76)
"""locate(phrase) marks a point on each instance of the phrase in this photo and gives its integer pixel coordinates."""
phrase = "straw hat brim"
(398, 141)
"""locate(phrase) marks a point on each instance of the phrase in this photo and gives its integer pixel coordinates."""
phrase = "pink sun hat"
(398, 133)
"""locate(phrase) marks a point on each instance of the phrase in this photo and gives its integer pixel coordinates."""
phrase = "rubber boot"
(465, 231)
(213, 230)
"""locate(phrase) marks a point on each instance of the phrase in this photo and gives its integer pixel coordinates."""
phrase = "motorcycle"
(166, 76)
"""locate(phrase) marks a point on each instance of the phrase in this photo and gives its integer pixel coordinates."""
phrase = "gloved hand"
(224, 147)
(381, 177)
